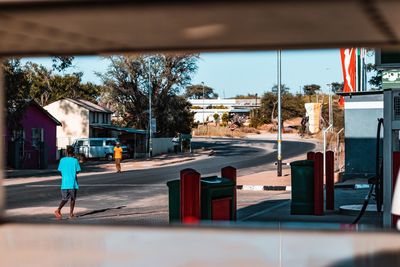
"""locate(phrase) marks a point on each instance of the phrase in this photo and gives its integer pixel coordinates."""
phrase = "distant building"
(34, 146)
(208, 107)
(84, 119)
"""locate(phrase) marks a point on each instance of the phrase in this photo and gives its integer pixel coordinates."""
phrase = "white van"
(97, 148)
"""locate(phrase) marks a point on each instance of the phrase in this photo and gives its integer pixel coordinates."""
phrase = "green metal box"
(302, 187)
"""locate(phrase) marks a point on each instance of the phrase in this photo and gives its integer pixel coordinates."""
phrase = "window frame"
(35, 140)
(96, 143)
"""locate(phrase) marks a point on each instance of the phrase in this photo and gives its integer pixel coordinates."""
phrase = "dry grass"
(212, 130)
(292, 122)
(267, 127)
(249, 130)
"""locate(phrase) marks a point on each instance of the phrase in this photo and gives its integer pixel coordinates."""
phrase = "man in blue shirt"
(69, 168)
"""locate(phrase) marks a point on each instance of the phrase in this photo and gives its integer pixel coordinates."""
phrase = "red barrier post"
(190, 199)
(310, 155)
(185, 171)
(319, 184)
(329, 168)
(230, 173)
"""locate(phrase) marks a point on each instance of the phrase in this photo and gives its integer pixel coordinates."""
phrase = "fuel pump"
(391, 151)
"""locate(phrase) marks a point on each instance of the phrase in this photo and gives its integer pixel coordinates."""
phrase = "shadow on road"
(257, 211)
(279, 211)
(99, 211)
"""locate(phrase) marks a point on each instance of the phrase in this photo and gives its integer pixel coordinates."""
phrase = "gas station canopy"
(107, 27)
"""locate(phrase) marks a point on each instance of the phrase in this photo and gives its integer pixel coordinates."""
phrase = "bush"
(292, 106)
(216, 117)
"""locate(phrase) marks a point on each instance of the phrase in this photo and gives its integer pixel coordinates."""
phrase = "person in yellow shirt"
(118, 156)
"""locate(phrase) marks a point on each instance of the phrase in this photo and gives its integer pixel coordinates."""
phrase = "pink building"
(35, 145)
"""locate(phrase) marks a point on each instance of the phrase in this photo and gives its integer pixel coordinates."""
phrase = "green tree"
(35, 82)
(336, 87)
(129, 80)
(256, 118)
(311, 89)
(248, 96)
(268, 107)
(173, 115)
(292, 106)
(216, 118)
(225, 117)
(47, 87)
(196, 92)
(17, 88)
(376, 79)
(284, 89)
(61, 63)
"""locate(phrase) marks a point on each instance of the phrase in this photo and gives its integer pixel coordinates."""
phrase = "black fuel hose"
(378, 174)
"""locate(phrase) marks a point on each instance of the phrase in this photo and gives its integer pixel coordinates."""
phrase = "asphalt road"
(247, 155)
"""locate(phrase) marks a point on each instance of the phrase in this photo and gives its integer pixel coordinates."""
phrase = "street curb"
(90, 165)
(352, 186)
(264, 187)
(25, 175)
(174, 162)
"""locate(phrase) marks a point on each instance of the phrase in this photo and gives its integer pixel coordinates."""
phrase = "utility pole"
(330, 104)
(150, 114)
(279, 67)
(202, 83)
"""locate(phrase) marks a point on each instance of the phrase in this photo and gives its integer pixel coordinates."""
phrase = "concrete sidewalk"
(107, 166)
(268, 180)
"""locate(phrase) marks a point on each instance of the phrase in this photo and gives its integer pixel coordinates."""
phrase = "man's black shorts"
(68, 194)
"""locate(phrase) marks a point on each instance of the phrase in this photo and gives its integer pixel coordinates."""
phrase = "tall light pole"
(330, 106)
(202, 83)
(279, 68)
(150, 114)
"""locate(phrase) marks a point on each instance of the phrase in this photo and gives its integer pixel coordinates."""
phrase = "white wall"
(208, 113)
(162, 145)
(229, 103)
(226, 102)
(74, 120)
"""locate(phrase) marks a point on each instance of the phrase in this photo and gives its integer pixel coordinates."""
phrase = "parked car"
(97, 148)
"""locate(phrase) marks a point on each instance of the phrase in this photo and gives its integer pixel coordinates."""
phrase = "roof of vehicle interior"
(48, 27)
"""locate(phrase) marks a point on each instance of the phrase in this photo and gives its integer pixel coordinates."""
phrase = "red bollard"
(190, 202)
(319, 184)
(310, 155)
(230, 173)
(329, 168)
(185, 171)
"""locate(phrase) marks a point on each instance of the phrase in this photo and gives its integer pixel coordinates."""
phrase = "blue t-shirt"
(69, 167)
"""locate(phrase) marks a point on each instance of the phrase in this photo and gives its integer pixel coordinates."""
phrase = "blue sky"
(234, 73)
